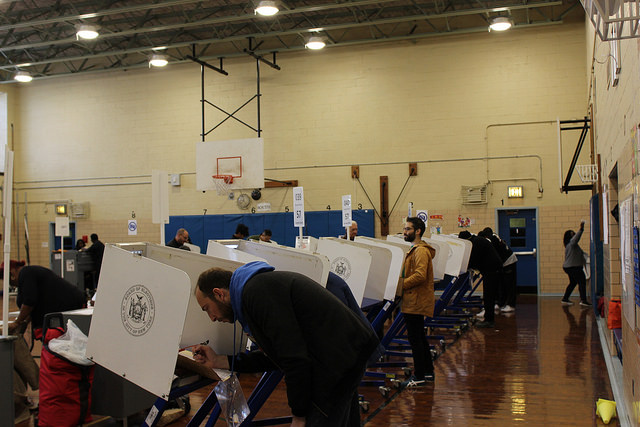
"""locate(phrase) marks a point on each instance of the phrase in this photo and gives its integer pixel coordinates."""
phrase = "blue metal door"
(518, 227)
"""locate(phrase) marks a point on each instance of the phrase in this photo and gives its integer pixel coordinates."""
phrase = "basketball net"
(223, 183)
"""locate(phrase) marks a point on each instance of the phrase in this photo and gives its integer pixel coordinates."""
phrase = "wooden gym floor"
(542, 365)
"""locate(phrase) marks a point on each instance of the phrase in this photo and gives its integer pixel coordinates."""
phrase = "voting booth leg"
(156, 411)
(6, 387)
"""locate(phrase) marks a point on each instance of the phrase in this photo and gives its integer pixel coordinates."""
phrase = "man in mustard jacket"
(418, 300)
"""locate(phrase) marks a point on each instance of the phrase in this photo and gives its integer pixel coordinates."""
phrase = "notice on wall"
(626, 259)
(132, 227)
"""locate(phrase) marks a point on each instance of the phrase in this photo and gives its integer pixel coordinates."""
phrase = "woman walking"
(574, 261)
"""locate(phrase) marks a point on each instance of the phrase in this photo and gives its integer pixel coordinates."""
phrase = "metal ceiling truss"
(38, 36)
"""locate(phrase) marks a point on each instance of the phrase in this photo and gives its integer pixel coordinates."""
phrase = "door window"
(518, 232)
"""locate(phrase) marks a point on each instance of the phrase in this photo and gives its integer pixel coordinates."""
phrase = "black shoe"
(566, 302)
(585, 304)
(486, 324)
(430, 378)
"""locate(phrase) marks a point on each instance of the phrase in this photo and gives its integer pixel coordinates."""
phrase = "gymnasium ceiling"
(38, 36)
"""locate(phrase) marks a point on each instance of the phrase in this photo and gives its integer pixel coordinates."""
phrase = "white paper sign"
(264, 207)
(346, 211)
(298, 207)
(424, 216)
(71, 265)
(132, 227)
(303, 242)
(62, 226)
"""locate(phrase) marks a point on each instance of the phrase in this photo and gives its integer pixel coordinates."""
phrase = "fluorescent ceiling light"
(23, 77)
(500, 24)
(267, 8)
(87, 32)
(158, 60)
(315, 43)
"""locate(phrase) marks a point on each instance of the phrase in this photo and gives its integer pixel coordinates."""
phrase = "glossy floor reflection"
(542, 365)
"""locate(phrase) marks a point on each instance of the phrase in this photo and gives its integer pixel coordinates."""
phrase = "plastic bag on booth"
(72, 345)
(232, 401)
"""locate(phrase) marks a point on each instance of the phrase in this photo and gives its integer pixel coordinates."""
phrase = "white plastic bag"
(72, 345)
(232, 401)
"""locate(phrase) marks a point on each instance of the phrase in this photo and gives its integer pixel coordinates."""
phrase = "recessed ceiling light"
(158, 60)
(315, 43)
(500, 23)
(87, 32)
(23, 77)
(267, 8)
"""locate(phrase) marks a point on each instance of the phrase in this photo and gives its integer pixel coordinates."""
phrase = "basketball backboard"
(243, 159)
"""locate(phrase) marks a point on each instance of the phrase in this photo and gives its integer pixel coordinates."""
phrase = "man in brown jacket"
(418, 300)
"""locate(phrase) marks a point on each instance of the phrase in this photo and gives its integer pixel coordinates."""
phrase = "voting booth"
(461, 251)
(443, 252)
(351, 263)
(145, 311)
(230, 252)
(313, 265)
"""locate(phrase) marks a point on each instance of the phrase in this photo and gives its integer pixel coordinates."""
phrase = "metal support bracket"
(583, 125)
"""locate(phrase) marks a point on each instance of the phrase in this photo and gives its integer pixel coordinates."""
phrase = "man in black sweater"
(41, 291)
(485, 259)
(302, 329)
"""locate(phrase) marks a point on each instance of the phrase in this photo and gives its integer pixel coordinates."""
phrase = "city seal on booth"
(137, 310)
(342, 267)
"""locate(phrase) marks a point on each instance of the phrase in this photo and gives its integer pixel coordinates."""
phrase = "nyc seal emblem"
(342, 267)
(137, 310)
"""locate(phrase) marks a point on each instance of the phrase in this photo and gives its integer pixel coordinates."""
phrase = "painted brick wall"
(448, 104)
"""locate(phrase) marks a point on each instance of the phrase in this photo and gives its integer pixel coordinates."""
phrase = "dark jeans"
(490, 283)
(422, 361)
(508, 289)
(576, 277)
(345, 411)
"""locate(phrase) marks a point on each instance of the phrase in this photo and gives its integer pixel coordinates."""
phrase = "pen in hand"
(191, 346)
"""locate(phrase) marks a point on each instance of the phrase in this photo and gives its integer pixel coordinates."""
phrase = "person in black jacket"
(96, 250)
(485, 259)
(41, 291)
(302, 329)
(508, 276)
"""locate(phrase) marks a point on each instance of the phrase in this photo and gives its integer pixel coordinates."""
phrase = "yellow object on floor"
(606, 409)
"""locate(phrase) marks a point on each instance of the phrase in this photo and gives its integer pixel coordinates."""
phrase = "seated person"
(264, 237)
(242, 232)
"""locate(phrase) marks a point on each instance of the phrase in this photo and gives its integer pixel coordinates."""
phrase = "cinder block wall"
(616, 115)
(447, 103)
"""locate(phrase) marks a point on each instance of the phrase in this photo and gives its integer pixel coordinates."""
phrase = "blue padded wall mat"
(203, 228)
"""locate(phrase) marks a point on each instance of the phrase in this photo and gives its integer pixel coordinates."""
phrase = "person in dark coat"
(181, 237)
(303, 330)
(41, 291)
(96, 250)
(485, 259)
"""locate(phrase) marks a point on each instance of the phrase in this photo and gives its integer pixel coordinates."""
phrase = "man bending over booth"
(321, 346)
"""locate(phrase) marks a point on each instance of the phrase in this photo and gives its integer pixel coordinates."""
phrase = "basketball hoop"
(222, 183)
(588, 173)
